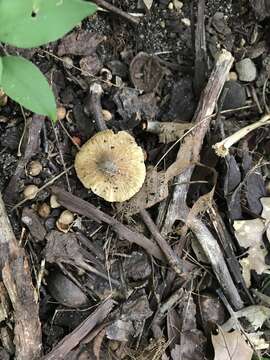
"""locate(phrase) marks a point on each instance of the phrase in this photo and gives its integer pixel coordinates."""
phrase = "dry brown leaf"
(154, 190)
(231, 346)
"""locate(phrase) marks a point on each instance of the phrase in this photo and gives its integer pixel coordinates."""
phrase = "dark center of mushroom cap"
(108, 167)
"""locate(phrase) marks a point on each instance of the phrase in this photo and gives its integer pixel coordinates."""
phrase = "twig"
(82, 207)
(175, 262)
(56, 134)
(188, 155)
(117, 11)
(222, 147)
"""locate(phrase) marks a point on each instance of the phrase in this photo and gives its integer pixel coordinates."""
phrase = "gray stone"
(235, 95)
(246, 70)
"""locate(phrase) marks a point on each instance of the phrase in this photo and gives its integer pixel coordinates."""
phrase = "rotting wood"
(188, 155)
(17, 280)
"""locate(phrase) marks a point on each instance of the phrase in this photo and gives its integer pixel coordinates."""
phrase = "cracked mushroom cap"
(111, 165)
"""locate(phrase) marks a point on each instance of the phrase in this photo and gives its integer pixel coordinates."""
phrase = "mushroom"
(111, 165)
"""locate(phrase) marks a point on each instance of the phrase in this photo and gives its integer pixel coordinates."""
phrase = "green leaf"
(25, 83)
(31, 23)
(1, 69)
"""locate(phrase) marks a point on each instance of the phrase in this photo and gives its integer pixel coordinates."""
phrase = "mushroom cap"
(111, 165)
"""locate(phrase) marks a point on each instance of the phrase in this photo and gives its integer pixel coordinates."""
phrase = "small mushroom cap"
(111, 165)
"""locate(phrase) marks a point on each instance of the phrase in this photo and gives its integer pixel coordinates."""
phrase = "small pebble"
(30, 192)
(107, 116)
(44, 210)
(170, 6)
(65, 291)
(68, 62)
(66, 217)
(233, 76)
(177, 4)
(61, 113)
(236, 95)
(186, 22)
(246, 70)
(65, 220)
(54, 203)
(34, 168)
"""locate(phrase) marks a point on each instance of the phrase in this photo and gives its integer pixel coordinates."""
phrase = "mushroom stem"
(95, 103)
(222, 148)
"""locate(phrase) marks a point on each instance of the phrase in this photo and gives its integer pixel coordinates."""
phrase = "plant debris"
(138, 225)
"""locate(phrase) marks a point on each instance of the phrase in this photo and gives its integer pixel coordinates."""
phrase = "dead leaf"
(258, 341)
(249, 234)
(254, 261)
(231, 346)
(255, 314)
(154, 190)
(80, 43)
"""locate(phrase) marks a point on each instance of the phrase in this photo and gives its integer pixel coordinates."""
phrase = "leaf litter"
(148, 278)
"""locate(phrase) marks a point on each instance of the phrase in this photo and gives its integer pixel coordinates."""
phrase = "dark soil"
(156, 313)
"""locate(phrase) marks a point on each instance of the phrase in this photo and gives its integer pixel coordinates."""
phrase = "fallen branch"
(17, 280)
(188, 155)
(174, 261)
(82, 207)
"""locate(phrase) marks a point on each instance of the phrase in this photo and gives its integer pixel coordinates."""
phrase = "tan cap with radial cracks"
(111, 165)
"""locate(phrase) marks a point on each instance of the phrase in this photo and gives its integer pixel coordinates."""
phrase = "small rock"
(186, 22)
(65, 291)
(236, 95)
(246, 70)
(177, 4)
(233, 76)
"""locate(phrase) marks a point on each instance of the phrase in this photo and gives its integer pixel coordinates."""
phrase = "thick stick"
(16, 275)
(82, 207)
(188, 155)
(174, 261)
